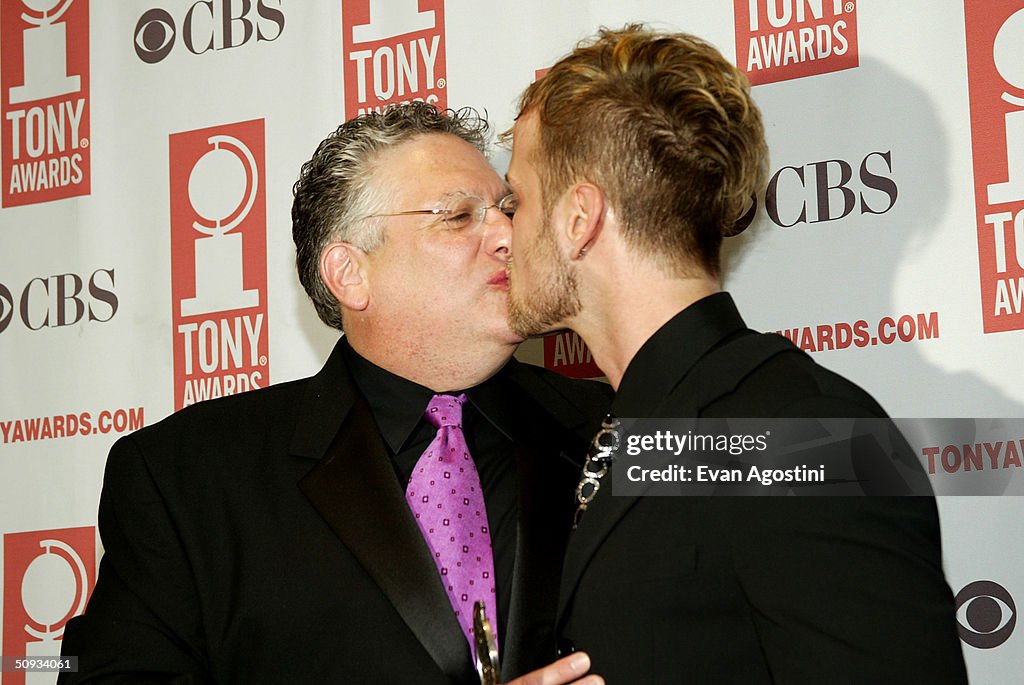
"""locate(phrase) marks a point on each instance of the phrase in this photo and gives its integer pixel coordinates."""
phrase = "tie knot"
(445, 410)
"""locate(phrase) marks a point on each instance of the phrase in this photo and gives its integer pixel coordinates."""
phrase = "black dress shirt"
(398, 406)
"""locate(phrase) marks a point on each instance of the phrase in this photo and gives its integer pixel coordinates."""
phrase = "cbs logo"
(985, 614)
(205, 27)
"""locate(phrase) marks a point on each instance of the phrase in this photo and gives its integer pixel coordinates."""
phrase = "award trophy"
(54, 588)
(486, 648)
(45, 55)
(222, 189)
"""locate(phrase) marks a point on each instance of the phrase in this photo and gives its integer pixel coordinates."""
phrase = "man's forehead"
(524, 137)
(438, 166)
(523, 159)
(431, 149)
(526, 126)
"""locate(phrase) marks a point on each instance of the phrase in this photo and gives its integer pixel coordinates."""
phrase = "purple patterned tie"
(444, 494)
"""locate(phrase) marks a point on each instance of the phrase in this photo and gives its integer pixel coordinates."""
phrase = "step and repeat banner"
(149, 147)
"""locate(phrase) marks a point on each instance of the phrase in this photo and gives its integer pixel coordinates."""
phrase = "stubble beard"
(544, 306)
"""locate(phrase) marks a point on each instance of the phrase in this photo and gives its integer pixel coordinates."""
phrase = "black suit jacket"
(752, 590)
(264, 538)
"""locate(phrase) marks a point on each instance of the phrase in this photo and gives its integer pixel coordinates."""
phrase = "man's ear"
(343, 270)
(587, 207)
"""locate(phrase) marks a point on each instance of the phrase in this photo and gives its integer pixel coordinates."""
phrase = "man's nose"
(497, 233)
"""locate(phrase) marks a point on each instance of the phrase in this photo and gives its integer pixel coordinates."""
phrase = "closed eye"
(458, 218)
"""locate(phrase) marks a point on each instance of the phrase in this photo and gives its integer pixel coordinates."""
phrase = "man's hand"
(570, 669)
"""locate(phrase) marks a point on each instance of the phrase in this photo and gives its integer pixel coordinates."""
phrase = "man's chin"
(525, 323)
(510, 335)
(546, 307)
(503, 330)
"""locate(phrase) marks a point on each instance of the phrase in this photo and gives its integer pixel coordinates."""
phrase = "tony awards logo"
(394, 52)
(48, 576)
(995, 55)
(222, 189)
(392, 18)
(567, 354)
(1008, 55)
(44, 68)
(778, 40)
(218, 261)
(45, 55)
(53, 589)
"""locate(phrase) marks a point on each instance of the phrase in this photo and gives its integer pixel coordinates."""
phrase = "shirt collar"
(398, 404)
(674, 349)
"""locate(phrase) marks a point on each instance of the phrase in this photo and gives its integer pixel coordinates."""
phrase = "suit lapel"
(545, 514)
(660, 370)
(604, 512)
(354, 488)
(545, 477)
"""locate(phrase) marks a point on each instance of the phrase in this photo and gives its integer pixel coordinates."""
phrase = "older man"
(631, 159)
(341, 528)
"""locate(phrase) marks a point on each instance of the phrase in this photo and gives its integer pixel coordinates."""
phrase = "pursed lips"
(499, 278)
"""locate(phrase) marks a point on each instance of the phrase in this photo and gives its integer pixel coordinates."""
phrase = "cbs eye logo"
(985, 614)
(154, 35)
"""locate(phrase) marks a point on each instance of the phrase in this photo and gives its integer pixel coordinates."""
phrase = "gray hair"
(335, 192)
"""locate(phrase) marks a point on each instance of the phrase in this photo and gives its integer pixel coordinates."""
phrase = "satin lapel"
(354, 489)
(545, 479)
(545, 515)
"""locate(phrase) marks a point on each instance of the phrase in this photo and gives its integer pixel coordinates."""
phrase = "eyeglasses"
(464, 213)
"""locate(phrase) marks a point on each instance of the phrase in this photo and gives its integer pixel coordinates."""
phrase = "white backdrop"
(149, 149)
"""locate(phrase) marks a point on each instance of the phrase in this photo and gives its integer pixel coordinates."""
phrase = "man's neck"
(625, 310)
(440, 368)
